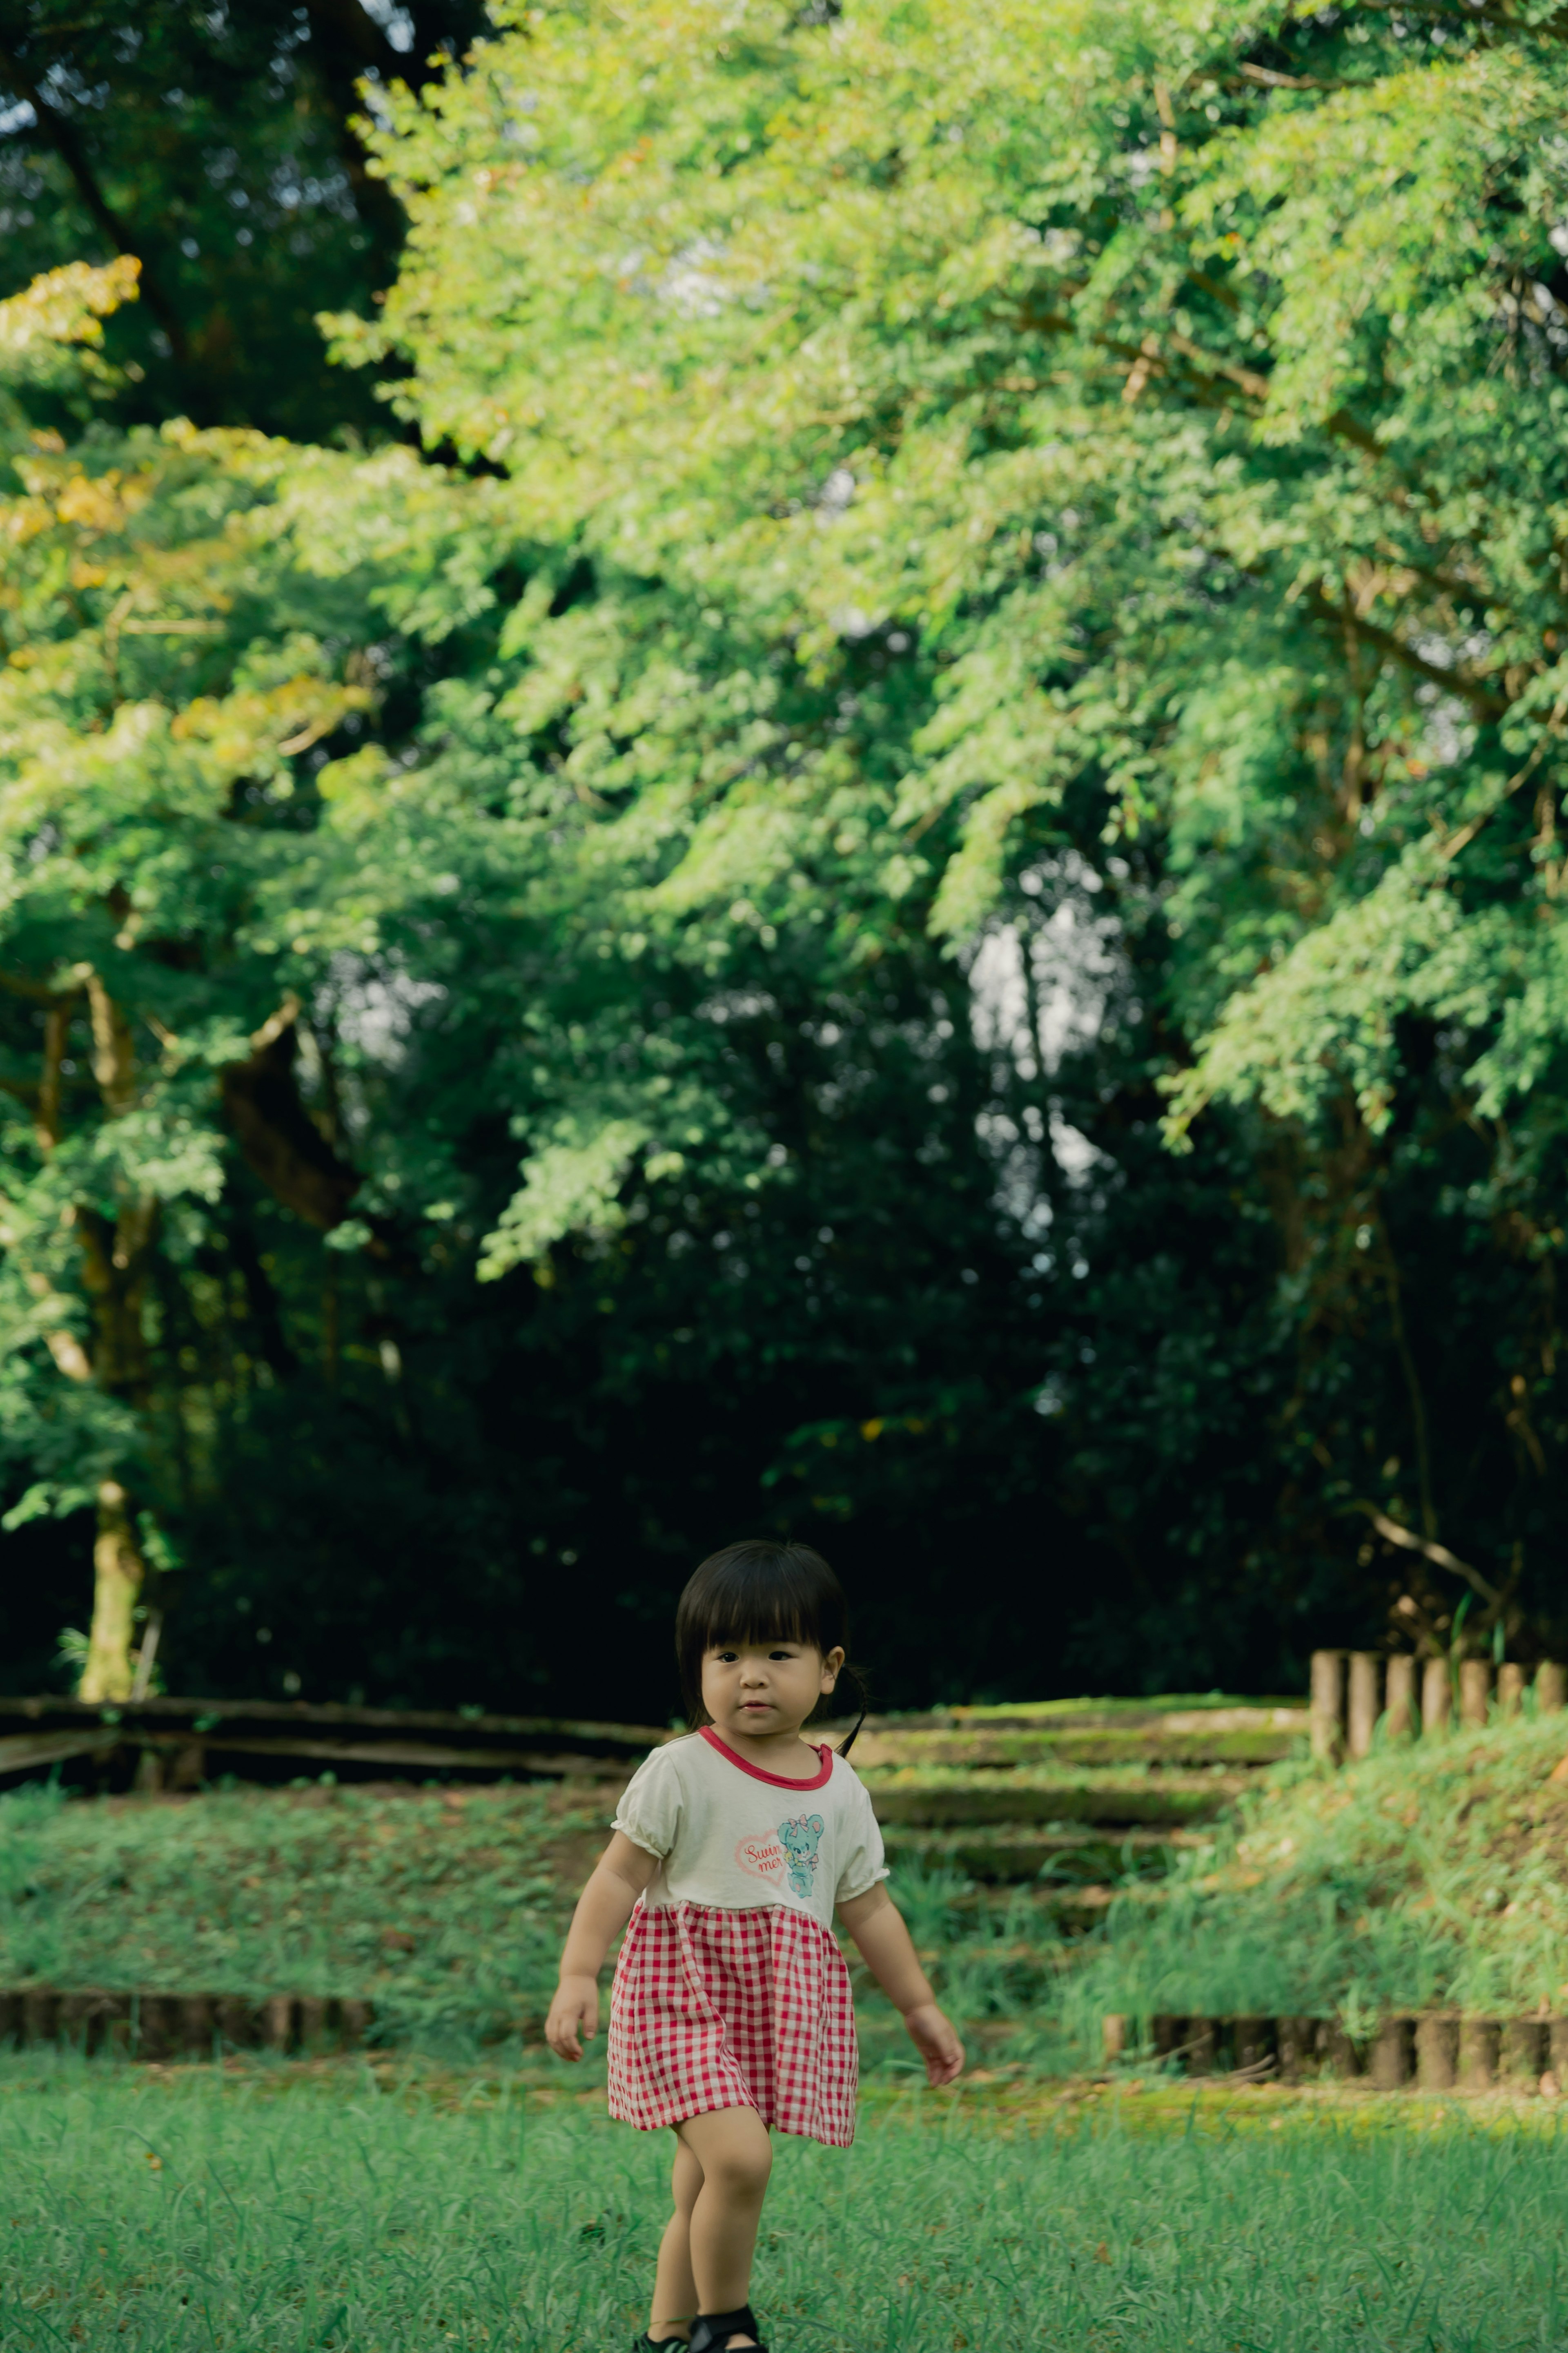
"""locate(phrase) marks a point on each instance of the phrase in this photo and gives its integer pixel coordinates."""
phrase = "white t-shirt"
(730, 1835)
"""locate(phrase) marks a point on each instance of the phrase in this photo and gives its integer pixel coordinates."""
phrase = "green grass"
(1434, 1874)
(443, 1907)
(284, 2208)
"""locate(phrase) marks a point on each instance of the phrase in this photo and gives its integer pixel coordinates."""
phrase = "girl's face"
(765, 1687)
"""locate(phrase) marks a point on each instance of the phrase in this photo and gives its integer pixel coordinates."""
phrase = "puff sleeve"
(861, 1859)
(650, 1808)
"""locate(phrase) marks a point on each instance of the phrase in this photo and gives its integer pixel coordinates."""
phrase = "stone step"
(1017, 1853)
(1011, 1800)
(1240, 1736)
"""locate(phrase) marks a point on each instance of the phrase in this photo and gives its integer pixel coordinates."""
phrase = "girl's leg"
(734, 2158)
(674, 2289)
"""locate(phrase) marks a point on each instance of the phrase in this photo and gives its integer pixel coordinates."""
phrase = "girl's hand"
(934, 2039)
(575, 2009)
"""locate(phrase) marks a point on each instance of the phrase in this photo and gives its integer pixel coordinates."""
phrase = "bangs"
(756, 1592)
(752, 1608)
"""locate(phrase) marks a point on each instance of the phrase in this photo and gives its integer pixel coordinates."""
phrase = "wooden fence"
(170, 2025)
(177, 1744)
(1352, 1690)
(1439, 2051)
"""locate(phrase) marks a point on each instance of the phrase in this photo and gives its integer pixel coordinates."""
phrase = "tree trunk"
(119, 1571)
(115, 1262)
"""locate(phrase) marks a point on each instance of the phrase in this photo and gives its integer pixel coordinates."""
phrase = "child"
(731, 2010)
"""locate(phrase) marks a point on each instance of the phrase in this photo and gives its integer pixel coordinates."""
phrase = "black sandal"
(714, 2329)
(647, 2344)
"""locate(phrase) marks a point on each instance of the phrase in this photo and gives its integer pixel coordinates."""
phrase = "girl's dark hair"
(760, 1592)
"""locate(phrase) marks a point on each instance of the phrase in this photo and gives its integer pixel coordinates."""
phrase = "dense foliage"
(960, 761)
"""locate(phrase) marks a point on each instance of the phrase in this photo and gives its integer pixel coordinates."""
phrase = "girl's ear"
(831, 1662)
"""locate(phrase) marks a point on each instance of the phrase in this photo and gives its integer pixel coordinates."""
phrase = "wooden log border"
(1438, 2051)
(183, 2025)
(1353, 1690)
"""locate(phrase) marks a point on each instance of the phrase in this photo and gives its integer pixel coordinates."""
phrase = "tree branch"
(1480, 697)
(1410, 1542)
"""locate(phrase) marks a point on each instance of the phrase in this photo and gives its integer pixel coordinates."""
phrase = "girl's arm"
(877, 1927)
(605, 1906)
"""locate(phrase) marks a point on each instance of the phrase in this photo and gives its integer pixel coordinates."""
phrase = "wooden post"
(197, 2023)
(1551, 1686)
(1478, 2042)
(236, 2022)
(1201, 2041)
(1510, 1687)
(39, 2011)
(1557, 2049)
(277, 2022)
(1524, 2050)
(157, 2025)
(73, 2023)
(1254, 2046)
(355, 2018)
(1341, 2058)
(1390, 2067)
(1364, 1702)
(1475, 1692)
(1400, 1710)
(1435, 1696)
(1298, 2039)
(1436, 2053)
(1327, 1704)
(312, 2011)
(1168, 2032)
(1113, 2037)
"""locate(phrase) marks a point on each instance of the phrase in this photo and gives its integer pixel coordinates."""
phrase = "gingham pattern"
(733, 2010)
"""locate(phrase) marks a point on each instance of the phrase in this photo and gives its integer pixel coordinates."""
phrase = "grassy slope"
(176, 2213)
(445, 1908)
(1434, 1874)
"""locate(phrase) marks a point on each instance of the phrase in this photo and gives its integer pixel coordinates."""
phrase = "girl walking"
(730, 2010)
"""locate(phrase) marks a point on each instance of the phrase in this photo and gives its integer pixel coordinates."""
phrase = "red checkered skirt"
(715, 2009)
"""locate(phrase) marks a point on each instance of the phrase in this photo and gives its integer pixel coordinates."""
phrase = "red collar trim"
(777, 1780)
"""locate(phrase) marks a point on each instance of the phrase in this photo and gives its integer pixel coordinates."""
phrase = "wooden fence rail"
(1353, 1691)
(180, 1742)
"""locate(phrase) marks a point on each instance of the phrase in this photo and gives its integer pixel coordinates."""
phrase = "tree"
(306, 912)
(173, 665)
(1180, 396)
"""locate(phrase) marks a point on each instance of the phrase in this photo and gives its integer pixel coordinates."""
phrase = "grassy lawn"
(393, 2206)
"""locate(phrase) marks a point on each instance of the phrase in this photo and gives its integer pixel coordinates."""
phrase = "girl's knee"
(734, 2152)
(745, 2165)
